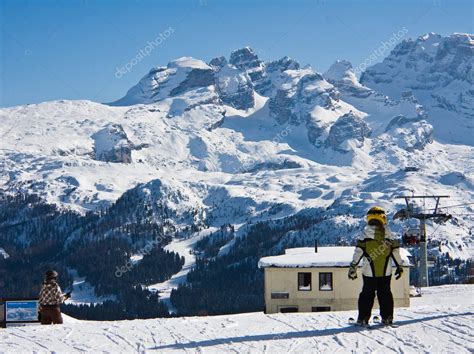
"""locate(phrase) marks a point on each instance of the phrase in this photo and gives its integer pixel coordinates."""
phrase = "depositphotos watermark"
(142, 252)
(144, 52)
(381, 50)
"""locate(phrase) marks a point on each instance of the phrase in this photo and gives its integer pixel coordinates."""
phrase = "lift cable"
(452, 206)
(462, 213)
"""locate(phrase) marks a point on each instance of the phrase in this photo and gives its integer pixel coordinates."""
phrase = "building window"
(304, 281)
(280, 295)
(325, 281)
(288, 309)
(320, 308)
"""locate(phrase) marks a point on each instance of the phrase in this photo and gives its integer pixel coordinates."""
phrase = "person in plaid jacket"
(50, 299)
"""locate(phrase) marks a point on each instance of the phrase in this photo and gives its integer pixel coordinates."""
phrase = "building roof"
(305, 257)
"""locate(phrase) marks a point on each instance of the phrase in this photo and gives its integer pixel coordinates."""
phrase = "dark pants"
(51, 314)
(367, 296)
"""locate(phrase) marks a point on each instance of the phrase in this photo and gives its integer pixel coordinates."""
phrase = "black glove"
(398, 273)
(67, 295)
(352, 274)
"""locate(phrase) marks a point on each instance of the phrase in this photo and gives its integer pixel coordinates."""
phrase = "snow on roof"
(305, 257)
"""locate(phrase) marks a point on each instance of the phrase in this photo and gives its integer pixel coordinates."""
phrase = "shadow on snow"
(291, 335)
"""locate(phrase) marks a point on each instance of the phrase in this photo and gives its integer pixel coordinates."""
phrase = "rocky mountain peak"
(244, 58)
(218, 63)
(349, 127)
(179, 76)
(235, 87)
(439, 71)
(341, 75)
(285, 63)
(448, 58)
(340, 70)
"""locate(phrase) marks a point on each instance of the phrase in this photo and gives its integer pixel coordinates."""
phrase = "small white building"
(303, 280)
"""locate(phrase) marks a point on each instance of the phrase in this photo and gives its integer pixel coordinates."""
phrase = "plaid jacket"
(50, 294)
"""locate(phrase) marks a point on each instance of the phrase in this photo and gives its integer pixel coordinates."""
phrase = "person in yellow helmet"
(377, 246)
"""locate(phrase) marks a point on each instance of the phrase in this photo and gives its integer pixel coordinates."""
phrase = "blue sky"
(72, 49)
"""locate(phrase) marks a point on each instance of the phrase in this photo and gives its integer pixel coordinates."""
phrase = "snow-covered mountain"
(239, 140)
(438, 72)
(440, 321)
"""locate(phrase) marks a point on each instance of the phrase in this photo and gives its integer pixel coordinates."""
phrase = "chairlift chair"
(411, 237)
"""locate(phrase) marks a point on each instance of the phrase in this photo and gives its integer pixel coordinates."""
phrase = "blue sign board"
(18, 311)
(21, 311)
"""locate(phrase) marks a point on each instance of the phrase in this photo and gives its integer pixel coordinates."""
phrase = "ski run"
(441, 321)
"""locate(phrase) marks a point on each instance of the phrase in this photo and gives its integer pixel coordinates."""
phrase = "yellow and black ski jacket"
(378, 248)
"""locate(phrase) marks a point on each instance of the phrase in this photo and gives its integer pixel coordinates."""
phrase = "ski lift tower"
(408, 213)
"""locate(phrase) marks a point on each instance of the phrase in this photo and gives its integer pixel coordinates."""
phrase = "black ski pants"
(381, 285)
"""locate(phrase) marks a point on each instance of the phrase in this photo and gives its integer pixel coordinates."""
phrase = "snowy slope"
(184, 248)
(84, 293)
(439, 322)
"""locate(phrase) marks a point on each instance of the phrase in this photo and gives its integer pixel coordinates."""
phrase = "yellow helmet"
(377, 213)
